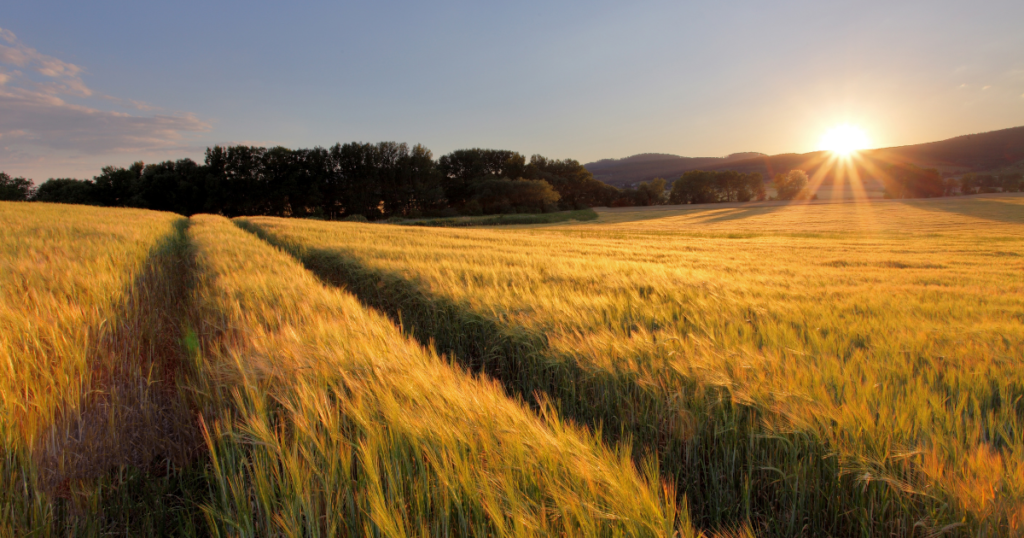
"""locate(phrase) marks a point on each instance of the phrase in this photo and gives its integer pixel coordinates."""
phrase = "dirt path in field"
(132, 414)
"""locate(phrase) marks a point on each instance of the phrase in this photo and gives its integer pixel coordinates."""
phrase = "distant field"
(823, 369)
(505, 220)
(985, 214)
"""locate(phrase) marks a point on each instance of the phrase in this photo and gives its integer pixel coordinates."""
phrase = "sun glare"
(844, 139)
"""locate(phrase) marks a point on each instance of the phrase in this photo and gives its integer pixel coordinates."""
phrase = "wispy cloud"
(62, 77)
(35, 110)
(47, 120)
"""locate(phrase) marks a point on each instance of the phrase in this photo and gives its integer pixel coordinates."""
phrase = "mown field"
(816, 370)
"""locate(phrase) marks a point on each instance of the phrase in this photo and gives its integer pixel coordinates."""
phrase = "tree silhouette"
(14, 188)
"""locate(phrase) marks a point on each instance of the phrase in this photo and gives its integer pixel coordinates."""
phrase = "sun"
(844, 139)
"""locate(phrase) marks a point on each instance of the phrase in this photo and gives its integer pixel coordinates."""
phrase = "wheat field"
(169, 376)
(89, 367)
(846, 369)
(802, 370)
(328, 421)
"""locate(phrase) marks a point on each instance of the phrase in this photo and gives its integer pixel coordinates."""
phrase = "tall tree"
(576, 186)
(791, 186)
(461, 168)
(695, 187)
(115, 185)
(14, 188)
(651, 192)
(909, 181)
(67, 191)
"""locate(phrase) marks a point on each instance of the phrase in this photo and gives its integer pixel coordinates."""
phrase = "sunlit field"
(844, 369)
(512, 270)
(987, 214)
(324, 420)
(181, 377)
(88, 361)
(810, 369)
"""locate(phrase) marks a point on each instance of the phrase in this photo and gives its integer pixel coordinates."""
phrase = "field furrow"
(323, 419)
(89, 402)
(777, 385)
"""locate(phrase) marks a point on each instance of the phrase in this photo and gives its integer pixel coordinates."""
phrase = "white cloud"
(35, 111)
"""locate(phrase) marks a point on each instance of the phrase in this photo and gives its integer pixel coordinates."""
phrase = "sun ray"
(839, 178)
(879, 172)
(820, 174)
(861, 201)
(857, 189)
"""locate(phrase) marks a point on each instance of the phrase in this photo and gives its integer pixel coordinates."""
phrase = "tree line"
(389, 179)
(909, 181)
(709, 187)
(696, 187)
(364, 180)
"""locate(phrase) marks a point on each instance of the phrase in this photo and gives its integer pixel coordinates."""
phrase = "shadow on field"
(744, 213)
(1002, 209)
(715, 450)
(128, 459)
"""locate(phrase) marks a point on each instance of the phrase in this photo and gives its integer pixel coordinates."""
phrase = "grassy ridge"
(90, 415)
(323, 419)
(779, 385)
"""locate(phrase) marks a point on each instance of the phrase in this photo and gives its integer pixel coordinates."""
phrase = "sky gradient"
(83, 85)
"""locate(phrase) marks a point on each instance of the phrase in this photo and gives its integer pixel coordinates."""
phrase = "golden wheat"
(87, 357)
(324, 419)
(869, 355)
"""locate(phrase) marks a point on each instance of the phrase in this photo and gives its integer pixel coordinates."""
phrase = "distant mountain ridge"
(968, 153)
(621, 172)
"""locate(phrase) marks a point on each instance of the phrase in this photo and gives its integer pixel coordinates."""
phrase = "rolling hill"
(628, 170)
(969, 153)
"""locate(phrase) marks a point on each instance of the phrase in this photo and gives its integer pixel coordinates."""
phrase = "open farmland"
(325, 420)
(845, 369)
(166, 376)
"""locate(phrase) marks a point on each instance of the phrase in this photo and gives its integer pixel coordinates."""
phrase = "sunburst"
(843, 140)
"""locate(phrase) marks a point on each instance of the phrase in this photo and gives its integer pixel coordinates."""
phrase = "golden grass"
(983, 214)
(805, 369)
(86, 353)
(861, 365)
(323, 419)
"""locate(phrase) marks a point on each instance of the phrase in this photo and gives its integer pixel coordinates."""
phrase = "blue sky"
(84, 85)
